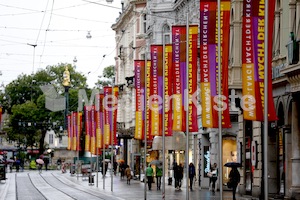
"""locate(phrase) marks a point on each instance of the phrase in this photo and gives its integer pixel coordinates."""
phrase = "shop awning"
(175, 142)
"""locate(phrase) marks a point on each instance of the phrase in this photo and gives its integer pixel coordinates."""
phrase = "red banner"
(75, 130)
(180, 82)
(253, 61)
(148, 128)
(209, 63)
(107, 109)
(87, 115)
(115, 113)
(70, 133)
(79, 125)
(93, 130)
(0, 117)
(99, 121)
(156, 90)
(139, 70)
(168, 90)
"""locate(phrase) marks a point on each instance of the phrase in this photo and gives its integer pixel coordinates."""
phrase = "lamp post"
(66, 83)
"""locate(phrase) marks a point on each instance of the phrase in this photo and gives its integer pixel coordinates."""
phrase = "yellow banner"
(177, 105)
(138, 125)
(98, 138)
(206, 105)
(249, 91)
(69, 143)
(154, 119)
(93, 145)
(74, 143)
(106, 134)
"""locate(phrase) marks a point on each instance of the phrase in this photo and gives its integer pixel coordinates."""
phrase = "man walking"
(149, 174)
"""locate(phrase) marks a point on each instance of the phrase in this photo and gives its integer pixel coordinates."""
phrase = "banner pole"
(97, 166)
(145, 126)
(163, 121)
(220, 173)
(187, 107)
(265, 132)
(112, 136)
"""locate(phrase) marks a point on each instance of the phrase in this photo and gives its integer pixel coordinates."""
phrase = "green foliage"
(107, 78)
(25, 102)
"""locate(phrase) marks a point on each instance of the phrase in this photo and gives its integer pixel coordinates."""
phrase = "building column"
(295, 189)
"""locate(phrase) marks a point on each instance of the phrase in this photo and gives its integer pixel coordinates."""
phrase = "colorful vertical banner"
(70, 133)
(168, 90)
(253, 60)
(75, 130)
(107, 109)
(156, 90)
(93, 130)
(192, 82)
(209, 63)
(139, 76)
(87, 128)
(79, 125)
(115, 113)
(0, 116)
(147, 86)
(99, 121)
(179, 80)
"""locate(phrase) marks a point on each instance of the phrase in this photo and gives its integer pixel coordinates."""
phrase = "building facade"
(244, 141)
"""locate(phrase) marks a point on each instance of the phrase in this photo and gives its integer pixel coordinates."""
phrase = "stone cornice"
(293, 76)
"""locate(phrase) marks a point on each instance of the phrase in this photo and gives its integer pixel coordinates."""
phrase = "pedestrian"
(18, 163)
(176, 175)
(122, 170)
(234, 179)
(192, 174)
(180, 175)
(115, 168)
(46, 161)
(149, 174)
(128, 174)
(58, 163)
(214, 177)
(158, 175)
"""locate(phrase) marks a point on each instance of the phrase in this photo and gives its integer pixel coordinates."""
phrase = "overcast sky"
(58, 28)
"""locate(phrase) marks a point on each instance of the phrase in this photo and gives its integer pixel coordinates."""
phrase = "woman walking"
(192, 174)
(234, 179)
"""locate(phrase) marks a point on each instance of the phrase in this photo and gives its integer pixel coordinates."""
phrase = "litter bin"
(91, 179)
(72, 169)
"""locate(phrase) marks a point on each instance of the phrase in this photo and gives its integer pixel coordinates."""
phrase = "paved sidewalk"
(119, 190)
(135, 191)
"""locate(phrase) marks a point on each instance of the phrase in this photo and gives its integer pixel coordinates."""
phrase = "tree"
(107, 78)
(25, 102)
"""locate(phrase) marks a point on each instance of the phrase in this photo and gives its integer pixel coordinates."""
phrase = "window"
(166, 34)
(144, 23)
(50, 138)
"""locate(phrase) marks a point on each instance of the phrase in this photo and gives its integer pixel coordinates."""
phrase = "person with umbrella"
(40, 163)
(234, 179)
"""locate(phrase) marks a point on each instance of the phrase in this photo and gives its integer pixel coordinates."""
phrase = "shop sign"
(254, 153)
(206, 159)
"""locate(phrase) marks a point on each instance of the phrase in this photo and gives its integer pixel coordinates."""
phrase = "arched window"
(166, 34)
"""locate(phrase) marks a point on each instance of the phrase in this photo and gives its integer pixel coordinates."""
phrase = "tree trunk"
(42, 141)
